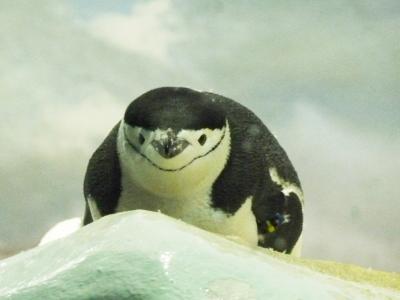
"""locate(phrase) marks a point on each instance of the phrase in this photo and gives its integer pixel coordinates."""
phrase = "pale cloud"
(146, 30)
(349, 176)
(75, 127)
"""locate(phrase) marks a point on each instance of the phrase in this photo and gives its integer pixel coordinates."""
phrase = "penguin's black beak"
(169, 146)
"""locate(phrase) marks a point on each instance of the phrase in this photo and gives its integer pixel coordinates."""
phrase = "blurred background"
(323, 75)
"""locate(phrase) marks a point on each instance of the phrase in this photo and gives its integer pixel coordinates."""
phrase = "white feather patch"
(287, 187)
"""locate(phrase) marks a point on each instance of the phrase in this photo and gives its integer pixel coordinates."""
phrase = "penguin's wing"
(87, 217)
(280, 207)
(102, 184)
(279, 214)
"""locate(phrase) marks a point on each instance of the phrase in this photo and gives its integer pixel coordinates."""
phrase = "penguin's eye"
(202, 139)
(141, 139)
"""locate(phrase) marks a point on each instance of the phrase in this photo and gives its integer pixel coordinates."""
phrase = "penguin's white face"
(172, 151)
(171, 161)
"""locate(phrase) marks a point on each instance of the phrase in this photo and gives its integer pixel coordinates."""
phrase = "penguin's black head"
(173, 128)
(174, 108)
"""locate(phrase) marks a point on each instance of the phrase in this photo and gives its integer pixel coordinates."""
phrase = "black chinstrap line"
(172, 170)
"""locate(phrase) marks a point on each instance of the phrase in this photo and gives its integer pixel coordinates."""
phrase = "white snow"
(147, 255)
(61, 230)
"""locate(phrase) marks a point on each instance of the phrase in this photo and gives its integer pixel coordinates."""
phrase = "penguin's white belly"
(195, 210)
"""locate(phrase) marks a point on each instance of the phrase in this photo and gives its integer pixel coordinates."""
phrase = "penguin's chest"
(194, 209)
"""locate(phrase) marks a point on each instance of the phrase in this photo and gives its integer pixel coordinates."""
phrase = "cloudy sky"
(324, 77)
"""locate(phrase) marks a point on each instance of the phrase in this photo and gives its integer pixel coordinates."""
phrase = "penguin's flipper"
(281, 225)
(102, 185)
(87, 217)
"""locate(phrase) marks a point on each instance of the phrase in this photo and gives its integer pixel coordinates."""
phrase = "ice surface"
(147, 255)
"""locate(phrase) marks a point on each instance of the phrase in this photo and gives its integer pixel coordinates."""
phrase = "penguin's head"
(174, 140)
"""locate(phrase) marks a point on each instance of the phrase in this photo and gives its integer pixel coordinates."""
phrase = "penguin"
(202, 158)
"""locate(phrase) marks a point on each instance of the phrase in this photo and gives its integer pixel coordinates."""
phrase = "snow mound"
(147, 255)
(61, 230)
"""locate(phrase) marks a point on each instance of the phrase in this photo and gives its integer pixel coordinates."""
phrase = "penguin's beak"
(170, 146)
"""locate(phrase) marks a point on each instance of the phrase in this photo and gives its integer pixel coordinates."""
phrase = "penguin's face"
(172, 150)
(173, 140)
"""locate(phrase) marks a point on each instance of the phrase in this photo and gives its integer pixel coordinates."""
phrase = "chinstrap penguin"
(202, 158)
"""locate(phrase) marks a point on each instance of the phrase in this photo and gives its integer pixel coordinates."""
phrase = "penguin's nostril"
(167, 149)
